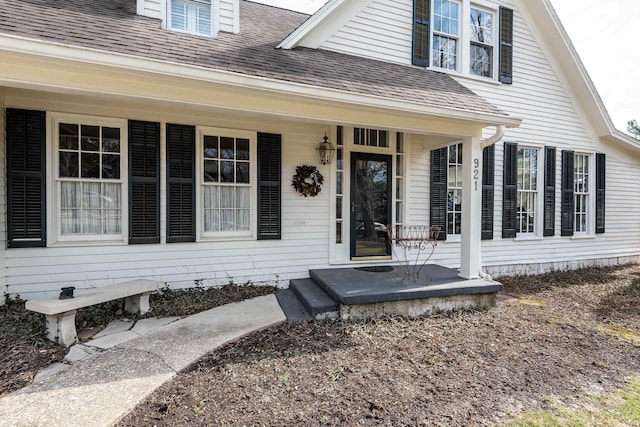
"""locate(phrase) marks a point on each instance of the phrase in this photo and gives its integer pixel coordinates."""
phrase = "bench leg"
(62, 328)
(137, 304)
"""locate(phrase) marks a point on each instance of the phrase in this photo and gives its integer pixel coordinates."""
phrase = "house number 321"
(476, 173)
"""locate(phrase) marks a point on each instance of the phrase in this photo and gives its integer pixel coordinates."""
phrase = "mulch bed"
(542, 343)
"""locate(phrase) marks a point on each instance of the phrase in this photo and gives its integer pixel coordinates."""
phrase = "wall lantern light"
(325, 151)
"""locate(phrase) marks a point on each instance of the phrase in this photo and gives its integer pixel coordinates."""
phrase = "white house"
(158, 139)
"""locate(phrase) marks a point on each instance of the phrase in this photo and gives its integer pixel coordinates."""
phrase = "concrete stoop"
(351, 293)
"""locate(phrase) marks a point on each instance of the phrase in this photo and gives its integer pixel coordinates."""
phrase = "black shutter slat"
(506, 45)
(601, 169)
(549, 191)
(421, 23)
(510, 191)
(488, 191)
(269, 186)
(181, 223)
(144, 182)
(567, 204)
(26, 178)
(438, 210)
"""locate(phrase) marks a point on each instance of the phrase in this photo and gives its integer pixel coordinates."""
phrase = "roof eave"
(58, 51)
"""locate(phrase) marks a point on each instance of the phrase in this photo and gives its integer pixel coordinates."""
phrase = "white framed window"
(446, 32)
(528, 194)
(227, 171)
(191, 16)
(89, 178)
(454, 190)
(581, 183)
(482, 40)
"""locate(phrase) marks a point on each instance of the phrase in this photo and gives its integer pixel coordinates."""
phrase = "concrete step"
(316, 301)
(292, 307)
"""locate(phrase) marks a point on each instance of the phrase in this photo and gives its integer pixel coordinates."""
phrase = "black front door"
(370, 208)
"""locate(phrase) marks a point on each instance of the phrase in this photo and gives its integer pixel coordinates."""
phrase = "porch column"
(470, 249)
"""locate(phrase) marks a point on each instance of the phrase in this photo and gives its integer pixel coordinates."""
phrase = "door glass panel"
(370, 209)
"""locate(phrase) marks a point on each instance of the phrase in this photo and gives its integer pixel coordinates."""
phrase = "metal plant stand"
(419, 238)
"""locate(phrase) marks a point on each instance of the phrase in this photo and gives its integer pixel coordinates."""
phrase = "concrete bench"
(61, 314)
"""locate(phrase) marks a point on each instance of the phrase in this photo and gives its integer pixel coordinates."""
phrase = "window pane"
(242, 220)
(243, 195)
(203, 19)
(69, 221)
(112, 221)
(338, 207)
(90, 137)
(211, 147)
(227, 172)
(111, 198)
(481, 26)
(68, 136)
(481, 60)
(90, 165)
(227, 197)
(226, 148)
(242, 149)
(227, 217)
(242, 173)
(211, 197)
(70, 195)
(69, 167)
(91, 221)
(211, 220)
(111, 140)
(339, 183)
(384, 138)
(111, 166)
(211, 171)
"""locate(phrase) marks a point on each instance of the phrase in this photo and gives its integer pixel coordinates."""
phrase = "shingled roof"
(114, 26)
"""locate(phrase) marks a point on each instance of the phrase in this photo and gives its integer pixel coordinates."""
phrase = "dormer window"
(191, 16)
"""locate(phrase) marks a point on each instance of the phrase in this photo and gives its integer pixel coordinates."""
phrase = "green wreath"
(307, 180)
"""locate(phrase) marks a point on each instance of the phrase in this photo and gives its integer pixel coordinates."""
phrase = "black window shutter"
(506, 45)
(488, 191)
(26, 197)
(438, 211)
(144, 182)
(181, 224)
(601, 169)
(549, 191)
(269, 200)
(510, 191)
(421, 22)
(567, 202)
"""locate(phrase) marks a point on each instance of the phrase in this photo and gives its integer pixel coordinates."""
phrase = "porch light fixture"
(325, 151)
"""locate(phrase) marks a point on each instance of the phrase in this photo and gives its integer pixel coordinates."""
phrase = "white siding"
(305, 221)
(381, 31)
(151, 8)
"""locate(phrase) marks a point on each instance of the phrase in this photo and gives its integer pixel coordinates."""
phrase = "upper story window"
(460, 36)
(191, 16)
(482, 41)
(446, 32)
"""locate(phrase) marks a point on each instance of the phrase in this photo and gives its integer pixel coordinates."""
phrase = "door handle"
(353, 207)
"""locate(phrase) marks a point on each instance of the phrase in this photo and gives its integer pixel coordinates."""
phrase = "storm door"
(370, 209)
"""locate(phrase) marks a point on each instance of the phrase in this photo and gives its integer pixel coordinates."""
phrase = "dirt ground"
(551, 338)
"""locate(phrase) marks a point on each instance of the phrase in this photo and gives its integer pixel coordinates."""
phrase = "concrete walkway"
(104, 385)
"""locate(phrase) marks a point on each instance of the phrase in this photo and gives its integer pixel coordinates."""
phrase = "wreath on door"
(307, 180)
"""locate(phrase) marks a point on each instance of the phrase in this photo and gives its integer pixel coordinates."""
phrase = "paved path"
(103, 386)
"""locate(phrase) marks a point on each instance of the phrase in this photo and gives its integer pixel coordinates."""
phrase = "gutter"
(493, 138)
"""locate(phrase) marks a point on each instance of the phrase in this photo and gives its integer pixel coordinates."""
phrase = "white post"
(470, 247)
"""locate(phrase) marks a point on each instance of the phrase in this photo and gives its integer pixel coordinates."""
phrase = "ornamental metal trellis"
(419, 238)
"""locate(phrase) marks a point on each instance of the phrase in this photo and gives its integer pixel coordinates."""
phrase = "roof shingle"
(112, 25)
